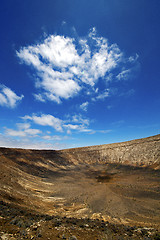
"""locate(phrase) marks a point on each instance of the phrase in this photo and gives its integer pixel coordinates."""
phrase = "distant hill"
(140, 152)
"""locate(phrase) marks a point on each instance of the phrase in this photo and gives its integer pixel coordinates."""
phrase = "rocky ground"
(18, 223)
(52, 195)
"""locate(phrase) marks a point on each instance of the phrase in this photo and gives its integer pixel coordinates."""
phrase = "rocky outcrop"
(140, 152)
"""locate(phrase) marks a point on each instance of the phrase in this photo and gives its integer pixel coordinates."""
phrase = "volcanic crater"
(109, 191)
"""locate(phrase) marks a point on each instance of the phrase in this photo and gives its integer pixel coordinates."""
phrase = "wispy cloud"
(102, 95)
(39, 97)
(105, 131)
(128, 93)
(78, 118)
(84, 106)
(29, 143)
(65, 66)
(109, 107)
(54, 138)
(24, 135)
(8, 98)
(118, 123)
(133, 59)
(124, 75)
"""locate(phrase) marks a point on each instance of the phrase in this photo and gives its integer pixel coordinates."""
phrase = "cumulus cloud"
(8, 98)
(75, 123)
(46, 120)
(23, 130)
(24, 135)
(64, 65)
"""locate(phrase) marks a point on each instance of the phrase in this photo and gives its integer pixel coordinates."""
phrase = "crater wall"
(140, 152)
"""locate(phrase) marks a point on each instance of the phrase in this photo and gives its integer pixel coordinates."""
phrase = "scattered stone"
(57, 224)
(143, 231)
(157, 236)
(14, 221)
(73, 238)
(39, 235)
(63, 236)
(47, 217)
(81, 226)
(35, 227)
(23, 232)
(5, 236)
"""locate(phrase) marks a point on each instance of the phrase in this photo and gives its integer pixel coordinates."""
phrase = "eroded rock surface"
(141, 152)
(115, 184)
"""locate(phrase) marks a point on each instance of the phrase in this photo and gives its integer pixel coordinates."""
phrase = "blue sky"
(77, 73)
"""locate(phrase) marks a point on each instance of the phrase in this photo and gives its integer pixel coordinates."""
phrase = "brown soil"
(47, 195)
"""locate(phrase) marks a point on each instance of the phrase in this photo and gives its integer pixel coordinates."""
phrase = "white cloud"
(102, 95)
(75, 123)
(27, 137)
(87, 130)
(109, 77)
(8, 98)
(15, 133)
(63, 89)
(84, 106)
(7, 141)
(80, 119)
(39, 97)
(23, 130)
(23, 125)
(79, 128)
(55, 138)
(128, 93)
(46, 120)
(109, 107)
(133, 59)
(124, 75)
(78, 123)
(71, 126)
(24, 136)
(65, 65)
(47, 137)
(105, 131)
(32, 131)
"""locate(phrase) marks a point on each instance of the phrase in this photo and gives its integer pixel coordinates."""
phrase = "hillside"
(114, 185)
(140, 152)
